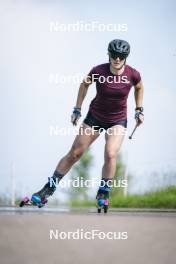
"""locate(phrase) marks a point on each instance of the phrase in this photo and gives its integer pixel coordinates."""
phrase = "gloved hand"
(75, 115)
(139, 116)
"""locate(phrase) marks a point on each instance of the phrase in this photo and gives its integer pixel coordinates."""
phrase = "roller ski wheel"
(34, 201)
(99, 210)
(105, 207)
(103, 204)
(24, 201)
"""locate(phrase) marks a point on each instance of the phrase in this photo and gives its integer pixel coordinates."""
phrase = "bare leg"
(80, 145)
(112, 147)
(114, 138)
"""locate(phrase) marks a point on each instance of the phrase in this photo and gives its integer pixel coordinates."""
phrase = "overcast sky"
(30, 103)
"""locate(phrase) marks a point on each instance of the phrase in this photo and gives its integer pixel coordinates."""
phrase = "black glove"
(75, 115)
(139, 115)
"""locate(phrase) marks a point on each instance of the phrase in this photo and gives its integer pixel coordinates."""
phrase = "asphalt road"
(25, 237)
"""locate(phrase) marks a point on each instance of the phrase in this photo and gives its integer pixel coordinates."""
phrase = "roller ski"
(32, 202)
(103, 199)
(40, 198)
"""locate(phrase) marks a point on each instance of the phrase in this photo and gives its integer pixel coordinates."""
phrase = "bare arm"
(138, 94)
(80, 98)
(82, 92)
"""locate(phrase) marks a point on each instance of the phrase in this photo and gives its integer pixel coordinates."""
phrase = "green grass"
(165, 198)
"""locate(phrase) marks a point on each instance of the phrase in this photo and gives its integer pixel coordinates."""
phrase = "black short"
(91, 121)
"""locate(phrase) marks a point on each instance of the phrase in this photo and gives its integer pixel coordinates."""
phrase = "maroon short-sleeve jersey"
(110, 102)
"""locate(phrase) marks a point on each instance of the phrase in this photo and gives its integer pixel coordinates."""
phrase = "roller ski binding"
(40, 198)
(103, 199)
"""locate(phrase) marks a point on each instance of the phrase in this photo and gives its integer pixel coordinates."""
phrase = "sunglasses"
(115, 55)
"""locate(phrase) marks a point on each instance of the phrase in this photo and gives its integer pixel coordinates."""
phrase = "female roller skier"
(108, 111)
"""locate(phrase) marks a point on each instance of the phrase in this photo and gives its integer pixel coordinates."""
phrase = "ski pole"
(130, 137)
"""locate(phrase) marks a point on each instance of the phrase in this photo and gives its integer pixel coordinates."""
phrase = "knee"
(110, 156)
(75, 154)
